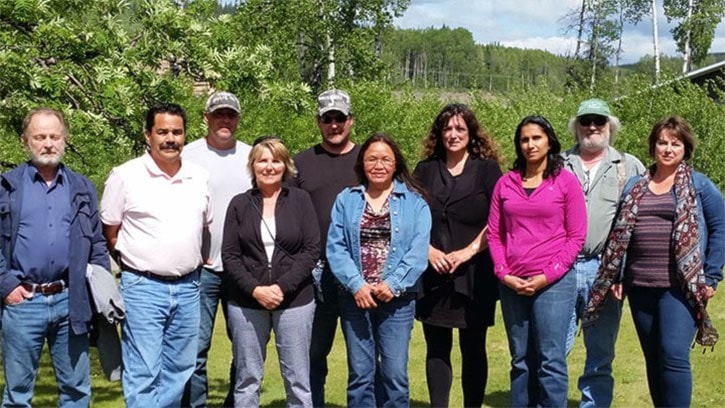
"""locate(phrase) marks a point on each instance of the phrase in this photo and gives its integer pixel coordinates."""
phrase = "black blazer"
(297, 250)
(460, 211)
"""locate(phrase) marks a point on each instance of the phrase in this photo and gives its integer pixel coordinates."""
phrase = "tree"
(103, 62)
(697, 20)
(596, 33)
(317, 41)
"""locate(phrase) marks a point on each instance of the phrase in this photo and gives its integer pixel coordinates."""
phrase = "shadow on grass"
(283, 403)
(503, 399)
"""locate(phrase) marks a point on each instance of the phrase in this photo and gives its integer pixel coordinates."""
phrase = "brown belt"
(50, 288)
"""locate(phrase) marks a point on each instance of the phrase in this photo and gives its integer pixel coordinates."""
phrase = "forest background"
(103, 62)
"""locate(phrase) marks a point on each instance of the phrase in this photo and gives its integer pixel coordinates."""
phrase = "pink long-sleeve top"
(540, 233)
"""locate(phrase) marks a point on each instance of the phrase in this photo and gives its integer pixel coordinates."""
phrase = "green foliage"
(306, 36)
(103, 62)
(450, 59)
(697, 20)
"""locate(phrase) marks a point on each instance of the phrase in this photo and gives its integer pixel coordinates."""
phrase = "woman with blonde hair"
(270, 245)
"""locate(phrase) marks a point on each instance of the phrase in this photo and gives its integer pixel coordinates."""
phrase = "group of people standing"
(344, 231)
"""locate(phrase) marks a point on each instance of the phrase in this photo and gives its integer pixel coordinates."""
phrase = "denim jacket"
(410, 224)
(710, 225)
(87, 243)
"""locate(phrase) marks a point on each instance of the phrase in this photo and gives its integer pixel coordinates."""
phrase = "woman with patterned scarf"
(667, 250)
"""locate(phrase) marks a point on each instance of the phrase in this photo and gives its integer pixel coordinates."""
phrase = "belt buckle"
(50, 288)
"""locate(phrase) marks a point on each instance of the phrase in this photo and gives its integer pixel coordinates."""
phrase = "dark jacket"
(87, 242)
(297, 250)
(459, 209)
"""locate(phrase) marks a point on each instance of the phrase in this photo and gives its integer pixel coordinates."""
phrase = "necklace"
(457, 168)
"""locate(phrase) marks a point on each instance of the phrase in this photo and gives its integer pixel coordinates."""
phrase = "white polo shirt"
(161, 217)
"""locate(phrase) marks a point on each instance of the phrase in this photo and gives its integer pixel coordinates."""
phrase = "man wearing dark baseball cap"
(324, 170)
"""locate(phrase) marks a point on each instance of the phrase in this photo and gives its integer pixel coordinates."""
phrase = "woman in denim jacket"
(666, 250)
(377, 248)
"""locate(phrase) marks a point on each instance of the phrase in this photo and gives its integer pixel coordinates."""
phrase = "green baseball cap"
(593, 107)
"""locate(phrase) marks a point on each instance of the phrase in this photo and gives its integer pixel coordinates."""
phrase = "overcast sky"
(534, 24)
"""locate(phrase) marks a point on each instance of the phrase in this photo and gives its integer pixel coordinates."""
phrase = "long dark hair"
(554, 161)
(401, 168)
(480, 143)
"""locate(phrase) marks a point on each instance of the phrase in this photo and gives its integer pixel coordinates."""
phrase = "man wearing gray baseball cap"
(324, 170)
(225, 158)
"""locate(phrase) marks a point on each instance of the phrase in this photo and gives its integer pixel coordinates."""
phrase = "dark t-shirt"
(324, 175)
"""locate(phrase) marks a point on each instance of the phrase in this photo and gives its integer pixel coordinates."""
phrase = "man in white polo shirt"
(225, 158)
(155, 211)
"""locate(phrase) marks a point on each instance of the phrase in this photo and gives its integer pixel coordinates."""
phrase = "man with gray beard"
(49, 234)
(602, 172)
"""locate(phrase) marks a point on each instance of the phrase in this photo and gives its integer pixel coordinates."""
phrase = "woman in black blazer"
(460, 170)
(271, 243)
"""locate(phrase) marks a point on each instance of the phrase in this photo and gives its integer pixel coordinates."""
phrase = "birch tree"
(695, 29)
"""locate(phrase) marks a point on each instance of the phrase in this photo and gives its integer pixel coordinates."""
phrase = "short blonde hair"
(279, 151)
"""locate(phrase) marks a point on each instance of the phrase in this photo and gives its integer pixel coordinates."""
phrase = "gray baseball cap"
(333, 100)
(219, 100)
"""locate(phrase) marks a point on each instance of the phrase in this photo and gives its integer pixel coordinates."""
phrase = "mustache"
(170, 145)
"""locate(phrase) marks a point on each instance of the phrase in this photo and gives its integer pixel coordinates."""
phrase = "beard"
(594, 145)
(45, 160)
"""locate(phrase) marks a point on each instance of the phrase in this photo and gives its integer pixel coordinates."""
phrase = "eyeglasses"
(337, 117)
(587, 120)
(385, 161)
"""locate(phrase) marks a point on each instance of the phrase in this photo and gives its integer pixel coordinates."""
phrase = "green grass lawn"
(630, 381)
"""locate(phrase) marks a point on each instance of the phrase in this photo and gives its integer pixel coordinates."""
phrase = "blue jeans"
(25, 327)
(596, 383)
(250, 334)
(324, 328)
(377, 345)
(536, 327)
(159, 338)
(666, 328)
(195, 393)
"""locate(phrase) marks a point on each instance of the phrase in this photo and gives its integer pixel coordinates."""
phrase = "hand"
(456, 258)
(518, 285)
(267, 296)
(18, 295)
(438, 261)
(616, 290)
(382, 291)
(534, 284)
(364, 298)
(709, 292)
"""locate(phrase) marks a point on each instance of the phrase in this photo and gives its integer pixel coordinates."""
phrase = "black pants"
(439, 373)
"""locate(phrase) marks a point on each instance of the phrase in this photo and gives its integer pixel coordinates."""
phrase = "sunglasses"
(589, 119)
(337, 117)
(267, 138)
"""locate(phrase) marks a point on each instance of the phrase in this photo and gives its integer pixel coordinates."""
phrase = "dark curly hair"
(554, 161)
(480, 143)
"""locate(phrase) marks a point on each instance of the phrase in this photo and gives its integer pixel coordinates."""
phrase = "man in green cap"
(602, 172)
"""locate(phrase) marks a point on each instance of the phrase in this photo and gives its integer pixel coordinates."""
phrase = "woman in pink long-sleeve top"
(536, 227)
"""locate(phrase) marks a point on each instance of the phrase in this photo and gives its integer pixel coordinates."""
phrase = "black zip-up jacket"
(296, 251)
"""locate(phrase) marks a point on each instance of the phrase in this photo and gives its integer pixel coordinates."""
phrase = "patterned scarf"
(686, 247)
